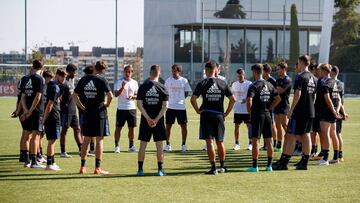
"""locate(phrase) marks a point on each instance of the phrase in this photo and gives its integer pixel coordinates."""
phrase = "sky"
(84, 23)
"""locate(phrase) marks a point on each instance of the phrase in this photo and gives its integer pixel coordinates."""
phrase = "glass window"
(229, 9)
(314, 44)
(253, 45)
(182, 43)
(260, 9)
(268, 46)
(283, 44)
(218, 44)
(303, 42)
(236, 45)
(197, 47)
(246, 6)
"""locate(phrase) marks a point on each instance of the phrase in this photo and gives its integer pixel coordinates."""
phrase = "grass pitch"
(185, 181)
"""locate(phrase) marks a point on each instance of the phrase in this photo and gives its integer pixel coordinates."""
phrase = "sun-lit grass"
(185, 181)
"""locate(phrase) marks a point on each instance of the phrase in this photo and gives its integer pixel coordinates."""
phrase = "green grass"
(185, 181)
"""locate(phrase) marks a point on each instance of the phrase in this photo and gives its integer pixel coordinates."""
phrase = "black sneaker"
(278, 162)
(299, 163)
(212, 172)
(22, 158)
(280, 167)
(301, 167)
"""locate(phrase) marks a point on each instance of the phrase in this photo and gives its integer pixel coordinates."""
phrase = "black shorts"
(327, 117)
(158, 132)
(212, 126)
(282, 110)
(81, 119)
(300, 126)
(95, 126)
(172, 114)
(261, 124)
(239, 118)
(52, 129)
(128, 116)
(69, 120)
(338, 125)
(316, 124)
(34, 122)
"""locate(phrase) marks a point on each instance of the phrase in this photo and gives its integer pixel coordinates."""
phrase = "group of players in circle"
(48, 104)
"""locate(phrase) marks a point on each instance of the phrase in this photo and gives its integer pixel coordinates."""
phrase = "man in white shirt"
(126, 90)
(178, 89)
(240, 89)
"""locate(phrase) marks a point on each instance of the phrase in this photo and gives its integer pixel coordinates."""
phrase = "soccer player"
(126, 91)
(261, 101)
(69, 117)
(152, 102)
(52, 116)
(240, 89)
(178, 88)
(333, 74)
(330, 105)
(267, 76)
(212, 116)
(283, 87)
(91, 89)
(301, 115)
(33, 109)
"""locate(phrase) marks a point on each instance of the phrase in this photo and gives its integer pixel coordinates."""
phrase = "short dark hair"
(240, 70)
(48, 74)
(283, 65)
(257, 68)
(313, 65)
(267, 68)
(127, 66)
(100, 66)
(335, 69)
(211, 65)
(61, 72)
(177, 67)
(326, 67)
(71, 68)
(154, 69)
(36, 64)
(88, 70)
(305, 59)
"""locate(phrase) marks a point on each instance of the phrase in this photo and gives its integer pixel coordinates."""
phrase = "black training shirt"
(328, 86)
(53, 93)
(30, 88)
(262, 93)
(284, 83)
(67, 104)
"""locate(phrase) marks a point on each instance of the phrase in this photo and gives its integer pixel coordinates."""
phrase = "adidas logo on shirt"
(214, 89)
(152, 92)
(28, 85)
(265, 94)
(311, 86)
(90, 86)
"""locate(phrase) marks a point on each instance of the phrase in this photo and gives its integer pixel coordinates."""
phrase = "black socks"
(255, 163)
(62, 148)
(140, 165)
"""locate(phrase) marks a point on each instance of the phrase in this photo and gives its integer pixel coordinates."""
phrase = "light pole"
(116, 43)
(25, 31)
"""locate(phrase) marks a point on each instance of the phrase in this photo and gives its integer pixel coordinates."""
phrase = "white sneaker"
(167, 148)
(236, 147)
(204, 148)
(65, 155)
(249, 147)
(55, 165)
(132, 149)
(117, 149)
(183, 148)
(322, 162)
(91, 153)
(52, 168)
(27, 165)
(41, 160)
(37, 166)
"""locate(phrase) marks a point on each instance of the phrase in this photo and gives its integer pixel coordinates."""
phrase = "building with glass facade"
(237, 33)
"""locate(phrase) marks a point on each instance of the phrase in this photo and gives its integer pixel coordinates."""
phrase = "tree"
(270, 50)
(294, 37)
(232, 9)
(345, 40)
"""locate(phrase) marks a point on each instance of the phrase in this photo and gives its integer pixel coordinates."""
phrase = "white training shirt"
(130, 89)
(240, 92)
(176, 89)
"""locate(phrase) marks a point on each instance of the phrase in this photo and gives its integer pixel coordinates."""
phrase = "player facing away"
(330, 105)
(69, 117)
(89, 96)
(52, 116)
(126, 90)
(33, 110)
(213, 91)
(178, 88)
(262, 98)
(283, 87)
(152, 100)
(240, 89)
(301, 115)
